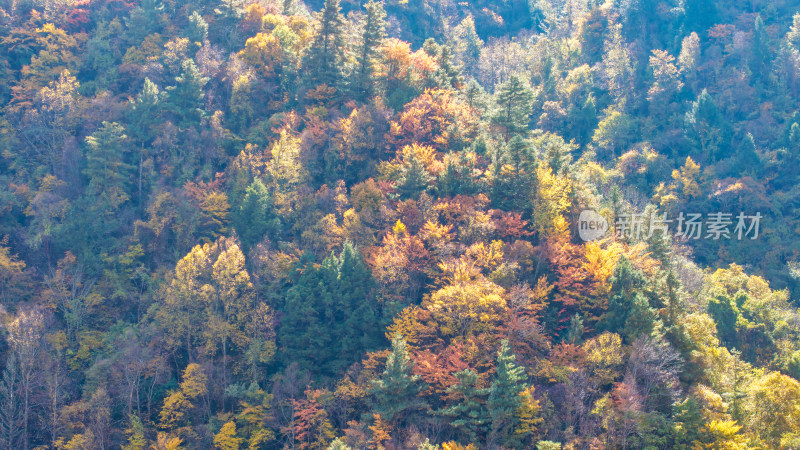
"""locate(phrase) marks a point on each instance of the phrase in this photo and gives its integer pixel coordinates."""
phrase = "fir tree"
(514, 103)
(186, 97)
(324, 60)
(395, 391)
(371, 38)
(504, 396)
(470, 414)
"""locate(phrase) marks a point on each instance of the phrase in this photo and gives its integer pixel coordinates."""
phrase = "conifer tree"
(371, 39)
(504, 396)
(106, 167)
(395, 391)
(469, 414)
(514, 103)
(254, 218)
(324, 60)
(186, 97)
(330, 316)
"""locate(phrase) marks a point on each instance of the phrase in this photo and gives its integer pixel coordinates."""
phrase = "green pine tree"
(470, 414)
(106, 168)
(395, 391)
(514, 102)
(504, 399)
(371, 38)
(324, 61)
(186, 97)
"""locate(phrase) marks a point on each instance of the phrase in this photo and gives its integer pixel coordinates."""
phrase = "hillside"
(409, 224)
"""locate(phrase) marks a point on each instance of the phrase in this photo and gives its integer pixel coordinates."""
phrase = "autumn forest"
(399, 224)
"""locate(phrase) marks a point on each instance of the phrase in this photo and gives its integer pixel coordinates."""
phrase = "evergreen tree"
(371, 38)
(747, 157)
(629, 311)
(470, 414)
(330, 317)
(108, 173)
(254, 218)
(761, 55)
(198, 28)
(395, 391)
(705, 127)
(514, 102)
(143, 118)
(699, 15)
(504, 397)
(513, 175)
(324, 60)
(186, 97)
(413, 178)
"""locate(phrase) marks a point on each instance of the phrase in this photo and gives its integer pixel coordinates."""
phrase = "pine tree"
(514, 101)
(761, 55)
(254, 218)
(504, 396)
(198, 28)
(108, 172)
(371, 39)
(143, 117)
(469, 414)
(330, 316)
(629, 312)
(747, 156)
(324, 60)
(705, 127)
(395, 391)
(413, 178)
(699, 15)
(186, 97)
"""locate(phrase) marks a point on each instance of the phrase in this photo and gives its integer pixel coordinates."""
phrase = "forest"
(349, 224)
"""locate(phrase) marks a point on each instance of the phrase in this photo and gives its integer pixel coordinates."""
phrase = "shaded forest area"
(267, 224)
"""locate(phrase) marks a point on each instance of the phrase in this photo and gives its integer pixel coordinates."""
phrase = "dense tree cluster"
(267, 224)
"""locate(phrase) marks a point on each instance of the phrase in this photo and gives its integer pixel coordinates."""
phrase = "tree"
(514, 101)
(106, 167)
(180, 403)
(135, 432)
(705, 127)
(617, 66)
(11, 414)
(25, 334)
(761, 57)
(226, 439)
(254, 217)
(311, 425)
(467, 307)
(699, 15)
(628, 309)
(395, 391)
(369, 51)
(186, 97)
(324, 60)
(208, 308)
(470, 414)
(143, 117)
(339, 291)
(505, 400)
(774, 404)
(264, 53)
